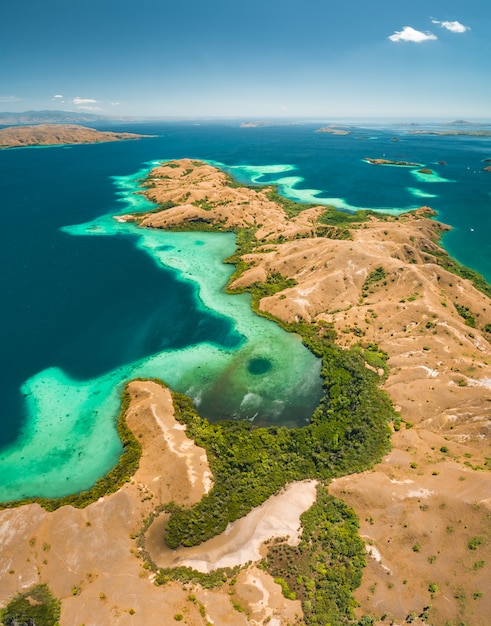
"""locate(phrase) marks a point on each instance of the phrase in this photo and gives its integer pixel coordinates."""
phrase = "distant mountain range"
(55, 117)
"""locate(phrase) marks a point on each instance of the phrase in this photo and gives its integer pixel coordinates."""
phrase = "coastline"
(55, 135)
(374, 239)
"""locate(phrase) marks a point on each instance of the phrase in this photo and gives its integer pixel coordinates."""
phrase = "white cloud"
(9, 99)
(57, 96)
(89, 107)
(79, 101)
(410, 34)
(454, 27)
(115, 104)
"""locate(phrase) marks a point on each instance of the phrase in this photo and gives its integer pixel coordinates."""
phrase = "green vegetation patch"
(275, 283)
(376, 357)
(374, 278)
(290, 207)
(333, 232)
(186, 575)
(34, 607)
(235, 184)
(467, 314)
(204, 204)
(326, 566)
(335, 217)
(245, 243)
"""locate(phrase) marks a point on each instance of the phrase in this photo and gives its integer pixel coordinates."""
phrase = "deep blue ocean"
(89, 305)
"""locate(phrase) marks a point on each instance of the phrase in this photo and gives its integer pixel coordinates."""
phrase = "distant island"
(389, 162)
(471, 133)
(455, 123)
(255, 124)
(266, 123)
(463, 123)
(55, 134)
(333, 130)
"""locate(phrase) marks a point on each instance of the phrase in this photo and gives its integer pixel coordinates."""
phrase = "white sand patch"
(408, 481)
(431, 372)
(302, 302)
(279, 516)
(376, 556)
(207, 480)
(464, 338)
(420, 493)
(307, 291)
(483, 382)
(184, 449)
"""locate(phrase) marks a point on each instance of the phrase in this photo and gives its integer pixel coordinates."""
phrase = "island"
(256, 124)
(390, 162)
(57, 134)
(396, 456)
(333, 130)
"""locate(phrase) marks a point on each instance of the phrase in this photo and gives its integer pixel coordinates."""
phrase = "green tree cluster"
(34, 607)
(326, 566)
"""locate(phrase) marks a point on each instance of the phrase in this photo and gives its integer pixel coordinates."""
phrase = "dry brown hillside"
(54, 134)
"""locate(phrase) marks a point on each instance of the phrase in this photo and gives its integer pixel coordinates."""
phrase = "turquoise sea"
(88, 303)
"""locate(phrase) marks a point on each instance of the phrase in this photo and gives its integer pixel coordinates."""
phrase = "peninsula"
(384, 305)
(57, 134)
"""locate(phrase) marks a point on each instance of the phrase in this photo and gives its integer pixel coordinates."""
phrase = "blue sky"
(262, 58)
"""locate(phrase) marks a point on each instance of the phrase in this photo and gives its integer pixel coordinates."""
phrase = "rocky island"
(333, 130)
(383, 304)
(57, 134)
(390, 162)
